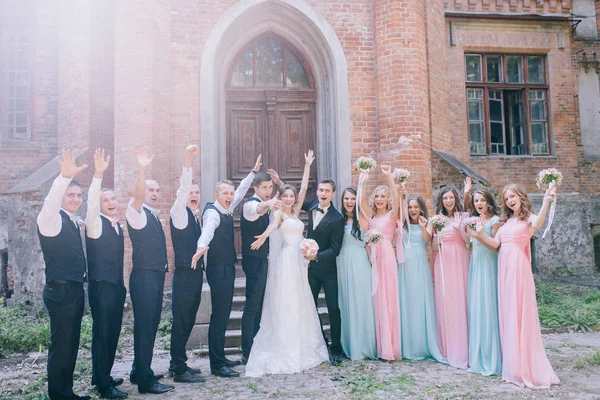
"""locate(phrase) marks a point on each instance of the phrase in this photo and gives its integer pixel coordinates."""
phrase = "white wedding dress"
(290, 338)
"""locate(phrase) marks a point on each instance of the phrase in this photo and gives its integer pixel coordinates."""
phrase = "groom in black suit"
(326, 227)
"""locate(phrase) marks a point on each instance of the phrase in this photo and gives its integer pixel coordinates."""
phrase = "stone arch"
(306, 29)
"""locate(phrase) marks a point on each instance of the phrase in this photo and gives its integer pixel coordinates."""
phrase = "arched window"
(269, 63)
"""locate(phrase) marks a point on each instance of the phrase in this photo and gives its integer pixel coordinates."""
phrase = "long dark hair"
(489, 199)
(355, 224)
(439, 206)
(422, 206)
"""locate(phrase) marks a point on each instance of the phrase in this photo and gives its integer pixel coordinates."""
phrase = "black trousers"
(221, 279)
(328, 281)
(64, 302)
(187, 290)
(146, 291)
(256, 280)
(106, 302)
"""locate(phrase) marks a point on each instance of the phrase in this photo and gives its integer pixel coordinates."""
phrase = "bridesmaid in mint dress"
(417, 307)
(524, 360)
(354, 284)
(485, 352)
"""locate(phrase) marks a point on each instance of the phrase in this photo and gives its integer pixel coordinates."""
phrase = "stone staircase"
(233, 336)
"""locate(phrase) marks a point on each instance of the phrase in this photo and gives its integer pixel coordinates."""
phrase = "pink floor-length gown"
(451, 299)
(524, 360)
(386, 300)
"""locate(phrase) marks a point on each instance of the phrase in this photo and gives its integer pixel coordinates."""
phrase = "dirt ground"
(22, 376)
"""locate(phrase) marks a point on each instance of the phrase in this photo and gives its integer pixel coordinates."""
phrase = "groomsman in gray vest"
(218, 233)
(106, 289)
(187, 282)
(147, 279)
(60, 240)
(253, 222)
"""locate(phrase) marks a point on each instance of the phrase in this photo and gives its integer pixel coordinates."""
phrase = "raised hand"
(196, 257)
(386, 170)
(422, 221)
(309, 158)
(68, 164)
(100, 163)
(456, 220)
(550, 193)
(275, 204)
(142, 157)
(191, 151)
(468, 184)
(258, 163)
(275, 176)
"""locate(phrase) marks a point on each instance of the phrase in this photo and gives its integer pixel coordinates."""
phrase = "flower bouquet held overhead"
(546, 179)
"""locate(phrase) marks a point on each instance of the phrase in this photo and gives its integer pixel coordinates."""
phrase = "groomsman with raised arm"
(61, 244)
(218, 233)
(187, 282)
(147, 279)
(106, 290)
(253, 222)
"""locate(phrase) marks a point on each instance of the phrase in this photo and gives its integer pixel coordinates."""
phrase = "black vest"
(63, 253)
(250, 229)
(105, 254)
(222, 249)
(149, 247)
(185, 242)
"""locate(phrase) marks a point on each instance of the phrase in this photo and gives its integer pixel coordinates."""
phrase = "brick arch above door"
(305, 29)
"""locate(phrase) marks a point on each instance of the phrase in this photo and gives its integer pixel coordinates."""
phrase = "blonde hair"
(223, 183)
(388, 193)
(525, 210)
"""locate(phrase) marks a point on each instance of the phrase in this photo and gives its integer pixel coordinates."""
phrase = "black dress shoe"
(244, 360)
(225, 372)
(195, 371)
(231, 363)
(188, 377)
(133, 378)
(112, 393)
(117, 382)
(335, 359)
(157, 388)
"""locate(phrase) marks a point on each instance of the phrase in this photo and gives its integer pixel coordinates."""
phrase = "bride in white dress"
(290, 338)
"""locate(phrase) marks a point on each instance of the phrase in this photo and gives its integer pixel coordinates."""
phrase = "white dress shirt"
(179, 215)
(93, 222)
(211, 218)
(49, 220)
(251, 209)
(138, 220)
(318, 216)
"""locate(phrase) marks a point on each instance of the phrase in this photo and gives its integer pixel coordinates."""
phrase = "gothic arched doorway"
(270, 110)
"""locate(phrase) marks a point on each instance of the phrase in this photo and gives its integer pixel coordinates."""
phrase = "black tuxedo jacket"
(328, 235)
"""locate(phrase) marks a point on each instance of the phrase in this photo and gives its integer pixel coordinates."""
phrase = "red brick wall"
(562, 93)
(527, 6)
(20, 158)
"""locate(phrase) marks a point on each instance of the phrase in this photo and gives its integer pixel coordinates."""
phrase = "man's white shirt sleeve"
(137, 220)
(48, 220)
(210, 222)
(179, 215)
(251, 210)
(93, 223)
(241, 190)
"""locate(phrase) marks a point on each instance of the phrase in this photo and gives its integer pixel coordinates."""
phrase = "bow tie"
(114, 222)
(319, 209)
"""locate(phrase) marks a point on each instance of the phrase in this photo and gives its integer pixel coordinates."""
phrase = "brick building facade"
(490, 85)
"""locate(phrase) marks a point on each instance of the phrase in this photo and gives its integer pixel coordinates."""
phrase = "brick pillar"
(403, 88)
(141, 99)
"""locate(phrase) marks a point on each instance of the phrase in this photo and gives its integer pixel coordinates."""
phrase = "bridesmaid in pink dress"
(384, 203)
(450, 285)
(524, 360)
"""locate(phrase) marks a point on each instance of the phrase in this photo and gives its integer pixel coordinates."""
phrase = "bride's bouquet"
(309, 248)
(546, 179)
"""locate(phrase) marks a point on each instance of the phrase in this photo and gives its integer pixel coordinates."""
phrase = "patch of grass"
(253, 386)
(37, 389)
(164, 331)
(562, 305)
(367, 385)
(595, 359)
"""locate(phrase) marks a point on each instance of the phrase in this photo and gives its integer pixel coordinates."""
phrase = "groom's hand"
(275, 204)
(311, 258)
(199, 253)
(260, 239)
